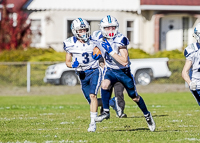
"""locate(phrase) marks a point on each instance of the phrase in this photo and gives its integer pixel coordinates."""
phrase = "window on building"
(94, 25)
(185, 31)
(130, 30)
(69, 32)
(36, 31)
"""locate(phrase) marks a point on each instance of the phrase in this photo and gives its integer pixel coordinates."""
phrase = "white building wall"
(146, 33)
(55, 24)
(36, 16)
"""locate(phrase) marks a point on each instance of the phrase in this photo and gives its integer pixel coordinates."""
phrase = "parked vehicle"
(144, 71)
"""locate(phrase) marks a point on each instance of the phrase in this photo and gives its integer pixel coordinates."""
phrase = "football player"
(119, 95)
(191, 69)
(79, 55)
(113, 46)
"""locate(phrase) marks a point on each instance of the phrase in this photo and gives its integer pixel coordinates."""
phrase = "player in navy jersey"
(113, 46)
(191, 69)
(79, 55)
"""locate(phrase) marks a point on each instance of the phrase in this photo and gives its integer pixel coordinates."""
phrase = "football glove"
(107, 47)
(75, 64)
(95, 57)
(193, 85)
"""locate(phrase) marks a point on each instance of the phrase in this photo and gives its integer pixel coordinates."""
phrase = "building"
(54, 19)
(151, 25)
(168, 24)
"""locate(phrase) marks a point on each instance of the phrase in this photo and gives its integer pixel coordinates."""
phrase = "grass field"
(65, 119)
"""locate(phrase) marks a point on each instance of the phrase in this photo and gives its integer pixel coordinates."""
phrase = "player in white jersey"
(191, 69)
(113, 46)
(79, 55)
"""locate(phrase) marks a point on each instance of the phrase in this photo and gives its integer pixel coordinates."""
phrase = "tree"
(14, 29)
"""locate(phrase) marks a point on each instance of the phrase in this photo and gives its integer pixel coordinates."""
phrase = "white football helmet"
(78, 24)
(107, 22)
(197, 32)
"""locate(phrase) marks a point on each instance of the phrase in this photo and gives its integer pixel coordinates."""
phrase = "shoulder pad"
(121, 39)
(69, 42)
(97, 35)
(125, 41)
(190, 49)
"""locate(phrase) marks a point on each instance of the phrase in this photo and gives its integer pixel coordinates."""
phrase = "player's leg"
(95, 82)
(90, 84)
(86, 89)
(119, 97)
(109, 80)
(112, 103)
(128, 81)
(105, 96)
(141, 104)
(93, 112)
(100, 104)
(129, 84)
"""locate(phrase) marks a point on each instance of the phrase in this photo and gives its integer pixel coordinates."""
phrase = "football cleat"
(150, 122)
(101, 117)
(116, 107)
(123, 116)
(92, 127)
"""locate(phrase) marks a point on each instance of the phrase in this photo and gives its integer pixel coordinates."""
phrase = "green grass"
(66, 119)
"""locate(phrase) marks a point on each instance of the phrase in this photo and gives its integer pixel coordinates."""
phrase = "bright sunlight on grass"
(66, 119)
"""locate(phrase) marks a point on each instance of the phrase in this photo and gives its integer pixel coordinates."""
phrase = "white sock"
(111, 103)
(106, 110)
(93, 115)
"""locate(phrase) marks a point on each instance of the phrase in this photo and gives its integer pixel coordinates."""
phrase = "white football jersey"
(116, 42)
(192, 53)
(81, 51)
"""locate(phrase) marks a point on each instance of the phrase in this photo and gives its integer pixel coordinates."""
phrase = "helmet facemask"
(110, 33)
(84, 36)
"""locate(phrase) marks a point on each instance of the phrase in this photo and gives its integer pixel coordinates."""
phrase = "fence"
(29, 74)
(23, 74)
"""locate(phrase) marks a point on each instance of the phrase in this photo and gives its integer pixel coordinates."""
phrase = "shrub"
(174, 54)
(137, 54)
(54, 56)
(22, 55)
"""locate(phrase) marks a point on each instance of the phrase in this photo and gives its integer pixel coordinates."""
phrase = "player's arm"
(68, 60)
(185, 71)
(123, 57)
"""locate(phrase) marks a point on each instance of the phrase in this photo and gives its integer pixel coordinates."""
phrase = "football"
(96, 51)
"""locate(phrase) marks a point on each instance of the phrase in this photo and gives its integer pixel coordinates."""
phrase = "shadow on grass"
(137, 129)
(147, 129)
(152, 116)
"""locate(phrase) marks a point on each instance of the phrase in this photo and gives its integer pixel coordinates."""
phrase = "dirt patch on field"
(64, 90)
